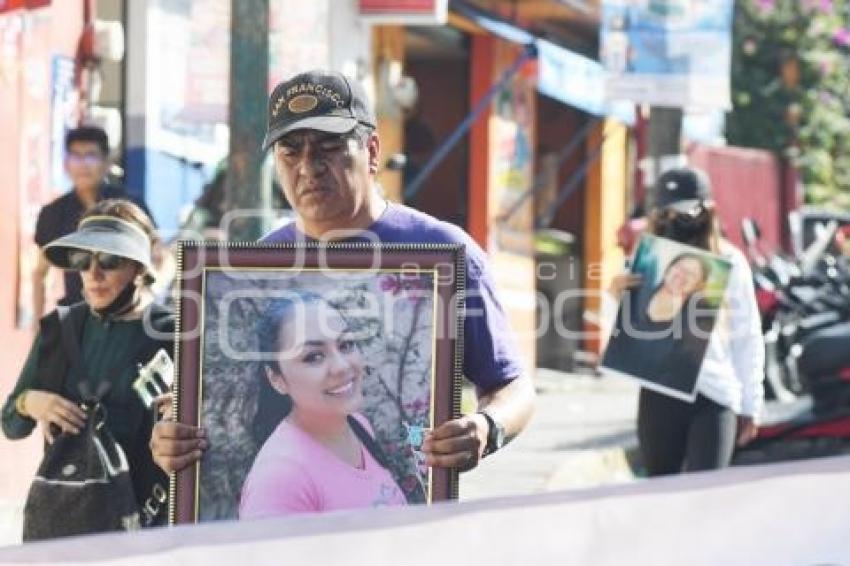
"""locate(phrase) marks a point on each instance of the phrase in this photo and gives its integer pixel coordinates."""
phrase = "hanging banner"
(405, 12)
(674, 53)
(563, 75)
(792, 514)
(577, 81)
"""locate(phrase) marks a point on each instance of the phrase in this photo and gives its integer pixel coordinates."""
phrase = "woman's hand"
(623, 281)
(52, 409)
(747, 430)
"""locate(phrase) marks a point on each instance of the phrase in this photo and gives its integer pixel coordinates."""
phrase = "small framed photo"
(663, 325)
(317, 371)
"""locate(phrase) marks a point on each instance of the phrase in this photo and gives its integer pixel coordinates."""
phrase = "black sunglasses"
(81, 260)
(696, 214)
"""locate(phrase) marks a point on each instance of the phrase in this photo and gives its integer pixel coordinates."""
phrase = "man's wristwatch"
(495, 434)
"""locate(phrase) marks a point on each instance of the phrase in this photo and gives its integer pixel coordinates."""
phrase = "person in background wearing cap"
(111, 250)
(675, 435)
(326, 152)
(86, 163)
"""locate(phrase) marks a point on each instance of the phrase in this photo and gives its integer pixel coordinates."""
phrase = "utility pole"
(664, 142)
(249, 68)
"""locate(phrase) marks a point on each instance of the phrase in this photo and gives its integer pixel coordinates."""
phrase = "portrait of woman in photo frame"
(360, 340)
(664, 324)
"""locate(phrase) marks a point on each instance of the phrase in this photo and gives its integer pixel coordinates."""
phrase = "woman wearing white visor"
(117, 327)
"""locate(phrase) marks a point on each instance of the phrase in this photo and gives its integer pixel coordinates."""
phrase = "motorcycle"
(805, 307)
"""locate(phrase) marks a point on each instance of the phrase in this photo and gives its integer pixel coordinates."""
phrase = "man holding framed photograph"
(326, 151)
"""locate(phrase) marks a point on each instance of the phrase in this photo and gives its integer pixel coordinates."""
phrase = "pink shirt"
(295, 474)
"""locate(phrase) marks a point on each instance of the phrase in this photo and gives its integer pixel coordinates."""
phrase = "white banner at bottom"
(789, 514)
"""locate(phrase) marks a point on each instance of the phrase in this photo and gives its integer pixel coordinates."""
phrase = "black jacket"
(54, 362)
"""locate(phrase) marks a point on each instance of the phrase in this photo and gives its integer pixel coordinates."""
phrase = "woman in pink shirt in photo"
(317, 453)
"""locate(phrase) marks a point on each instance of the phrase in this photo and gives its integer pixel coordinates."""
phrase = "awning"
(563, 75)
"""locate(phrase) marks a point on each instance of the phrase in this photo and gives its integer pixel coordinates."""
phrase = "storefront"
(514, 141)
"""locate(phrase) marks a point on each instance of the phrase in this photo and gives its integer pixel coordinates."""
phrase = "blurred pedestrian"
(86, 163)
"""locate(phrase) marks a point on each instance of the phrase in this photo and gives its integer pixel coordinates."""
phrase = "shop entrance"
(560, 224)
(438, 60)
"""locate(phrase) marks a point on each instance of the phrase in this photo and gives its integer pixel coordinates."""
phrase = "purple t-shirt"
(491, 357)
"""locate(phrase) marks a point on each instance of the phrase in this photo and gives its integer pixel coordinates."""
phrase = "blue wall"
(166, 183)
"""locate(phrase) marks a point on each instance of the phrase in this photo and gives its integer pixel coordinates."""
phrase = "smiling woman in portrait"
(684, 277)
(667, 323)
(318, 453)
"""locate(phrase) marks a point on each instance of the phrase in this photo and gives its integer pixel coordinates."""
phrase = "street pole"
(246, 204)
(664, 142)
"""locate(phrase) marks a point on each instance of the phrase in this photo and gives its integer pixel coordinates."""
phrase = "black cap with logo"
(317, 100)
(682, 189)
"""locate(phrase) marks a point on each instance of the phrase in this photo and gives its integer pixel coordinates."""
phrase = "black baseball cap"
(317, 100)
(682, 189)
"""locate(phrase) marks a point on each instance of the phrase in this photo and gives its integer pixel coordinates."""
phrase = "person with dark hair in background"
(86, 163)
(313, 455)
(675, 435)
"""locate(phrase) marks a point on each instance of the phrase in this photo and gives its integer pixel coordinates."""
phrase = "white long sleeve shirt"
(732, 371)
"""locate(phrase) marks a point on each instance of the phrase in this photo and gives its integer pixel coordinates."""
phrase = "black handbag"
(82, 486)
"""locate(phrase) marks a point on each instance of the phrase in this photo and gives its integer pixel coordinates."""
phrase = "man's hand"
(457, 444)
(52, 409)
(174, 445)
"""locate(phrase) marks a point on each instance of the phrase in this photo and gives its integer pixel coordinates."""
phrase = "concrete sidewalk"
(579, 437)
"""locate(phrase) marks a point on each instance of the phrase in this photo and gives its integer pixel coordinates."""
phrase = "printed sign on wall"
(673, 53)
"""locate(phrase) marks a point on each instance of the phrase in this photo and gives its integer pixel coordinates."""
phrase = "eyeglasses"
(81, 260)
(85, 158)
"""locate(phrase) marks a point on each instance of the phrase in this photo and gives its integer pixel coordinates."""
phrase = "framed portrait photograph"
(664, 324)
(316, 371)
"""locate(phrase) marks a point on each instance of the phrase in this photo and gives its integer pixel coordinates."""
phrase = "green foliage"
(807, 122)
